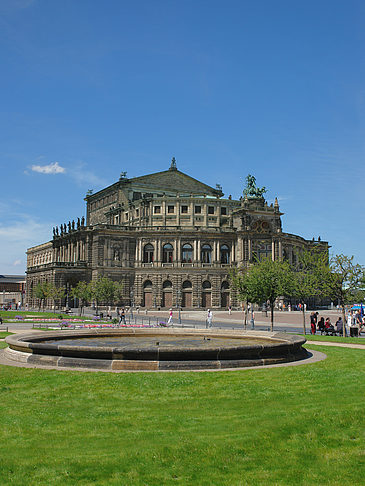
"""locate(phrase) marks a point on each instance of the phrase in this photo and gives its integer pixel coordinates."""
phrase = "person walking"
(209, 318)
(122, 316)
(313, 323)
(170, 317)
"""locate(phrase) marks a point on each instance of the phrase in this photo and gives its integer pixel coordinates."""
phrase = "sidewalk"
(340, 345)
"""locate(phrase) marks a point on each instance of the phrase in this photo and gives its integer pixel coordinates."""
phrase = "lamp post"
(179, 304)
(131, 295)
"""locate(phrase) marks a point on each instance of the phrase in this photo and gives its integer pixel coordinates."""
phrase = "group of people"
(355, 322)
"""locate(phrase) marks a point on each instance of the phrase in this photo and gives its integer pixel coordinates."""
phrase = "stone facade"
(171, 239)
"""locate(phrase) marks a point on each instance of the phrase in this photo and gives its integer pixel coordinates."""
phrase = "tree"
(267, 280)
(82, 292)
(239, 279)
(42, 291)
(310, 277)
(344, 280)
(56, 294)
(105, 290)
(118, 292)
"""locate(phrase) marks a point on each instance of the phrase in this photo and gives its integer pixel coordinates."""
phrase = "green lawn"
(299, 425)
(334, 339)
(3, 334)
(6, 315)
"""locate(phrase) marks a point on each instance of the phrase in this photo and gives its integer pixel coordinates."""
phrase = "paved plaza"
(283, 320)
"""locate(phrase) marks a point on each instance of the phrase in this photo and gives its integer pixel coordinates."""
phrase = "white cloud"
(53, 168)
(17, 262)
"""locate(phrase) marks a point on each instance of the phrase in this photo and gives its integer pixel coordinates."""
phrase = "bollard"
(149, 322)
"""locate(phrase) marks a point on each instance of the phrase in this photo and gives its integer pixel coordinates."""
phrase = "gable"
(173, 181)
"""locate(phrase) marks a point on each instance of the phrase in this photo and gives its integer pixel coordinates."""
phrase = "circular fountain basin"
(154, 349)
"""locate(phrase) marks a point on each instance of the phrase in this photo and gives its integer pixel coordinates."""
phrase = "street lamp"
(131, 294)
(179, 304)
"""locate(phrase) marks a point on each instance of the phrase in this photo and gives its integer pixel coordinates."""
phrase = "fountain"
(154, 349)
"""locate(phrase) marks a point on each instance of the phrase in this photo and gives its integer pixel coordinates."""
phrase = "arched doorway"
(147, 294)
(225, 295)
(207, 294)
(167, 294)
(187, 294)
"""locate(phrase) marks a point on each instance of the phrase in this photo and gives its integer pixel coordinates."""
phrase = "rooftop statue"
(251, 190)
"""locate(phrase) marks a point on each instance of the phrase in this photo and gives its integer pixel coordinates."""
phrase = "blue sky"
(90, 88)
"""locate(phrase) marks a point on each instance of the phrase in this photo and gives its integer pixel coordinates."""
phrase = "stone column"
(273, 250)
(157, 245)
(140, 251)
(215, 259)
(249, 249)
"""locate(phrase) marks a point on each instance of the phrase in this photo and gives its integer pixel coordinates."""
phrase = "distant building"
(12, 290)
(168, 237)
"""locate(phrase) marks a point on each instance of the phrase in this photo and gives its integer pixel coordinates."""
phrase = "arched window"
(225, 286)
(187, 285)
(167, 285)
(206, 285)
(148, 253)
(225, 253)
(187, 253)
(167, 253)
(147, 284)
(206, 254)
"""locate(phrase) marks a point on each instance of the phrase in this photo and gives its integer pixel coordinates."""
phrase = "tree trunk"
(344, 319)
(272, 315)
(304, 330)
(246, 306)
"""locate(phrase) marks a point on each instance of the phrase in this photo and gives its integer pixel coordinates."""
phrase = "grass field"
(299, 425)
(334, 339)
(6, 315)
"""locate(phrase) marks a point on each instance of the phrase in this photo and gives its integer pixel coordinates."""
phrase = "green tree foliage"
(239, 279)
(42, 291)
(345, 279)
(268, 280)
(104, 290)
(118, 292)
(264, 282)
(82, 292)
(56, 294)
(310, 277)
